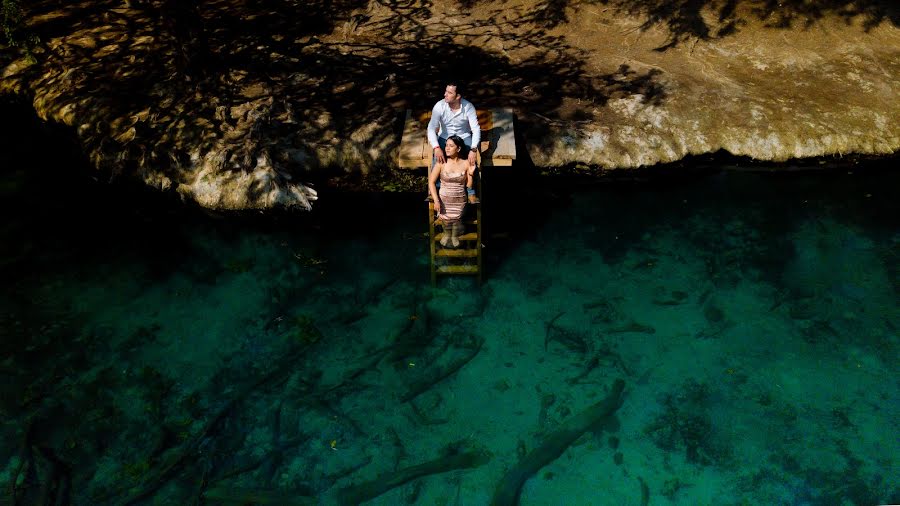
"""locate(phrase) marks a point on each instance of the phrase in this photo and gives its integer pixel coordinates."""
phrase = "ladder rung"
(471, 253)
(471, 236)
(457, 269)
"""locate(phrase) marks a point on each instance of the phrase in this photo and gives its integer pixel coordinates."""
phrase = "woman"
(455, 176)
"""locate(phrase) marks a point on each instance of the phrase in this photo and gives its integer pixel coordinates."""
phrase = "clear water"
(156, 353)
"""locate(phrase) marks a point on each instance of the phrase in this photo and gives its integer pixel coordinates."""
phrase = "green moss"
(303, 331)
(239, 265)
(134, 471)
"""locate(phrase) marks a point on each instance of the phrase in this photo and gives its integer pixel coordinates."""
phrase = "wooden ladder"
(470, 244)
(497, 149)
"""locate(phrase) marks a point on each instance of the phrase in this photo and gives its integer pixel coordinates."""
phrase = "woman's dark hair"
(461, 144)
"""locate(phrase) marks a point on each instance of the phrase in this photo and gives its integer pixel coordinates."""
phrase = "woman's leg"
(457, 231)
(445, 238)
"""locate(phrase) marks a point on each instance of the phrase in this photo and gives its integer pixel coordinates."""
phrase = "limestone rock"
(239, 108)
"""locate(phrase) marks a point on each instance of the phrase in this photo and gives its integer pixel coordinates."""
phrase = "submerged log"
(422, 385)
(367, 491)
(242, 496)
(507, 493)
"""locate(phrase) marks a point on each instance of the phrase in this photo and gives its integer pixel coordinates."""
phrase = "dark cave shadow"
(248, 79)
(253, 81)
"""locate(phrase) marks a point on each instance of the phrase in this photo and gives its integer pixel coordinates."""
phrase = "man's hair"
(459, 88)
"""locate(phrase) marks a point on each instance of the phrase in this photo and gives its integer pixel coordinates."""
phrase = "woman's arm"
(470, 186)
(432, 189)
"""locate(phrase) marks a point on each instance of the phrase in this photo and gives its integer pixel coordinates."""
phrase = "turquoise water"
(155, 353)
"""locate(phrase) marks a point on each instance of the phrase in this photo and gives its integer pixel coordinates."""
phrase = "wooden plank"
(471, 236)
(498, 142)
(470, 253)
(457, 269)
(485, 119)
(486, 122)
(412, 145)
(502, 135)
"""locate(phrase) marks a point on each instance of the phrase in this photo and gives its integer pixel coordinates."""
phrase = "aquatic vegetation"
(303, 331)
(239, 265)
(685, 425)
(283, 385)
(603, 311)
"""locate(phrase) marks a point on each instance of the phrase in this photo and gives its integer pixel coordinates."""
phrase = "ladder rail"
(473, 238)
(479, 223)
(431, 240)
(476, 237)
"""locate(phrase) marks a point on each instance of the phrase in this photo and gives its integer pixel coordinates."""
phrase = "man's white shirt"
(462, 122)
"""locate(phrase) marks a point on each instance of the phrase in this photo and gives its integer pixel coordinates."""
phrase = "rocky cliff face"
(240, 105)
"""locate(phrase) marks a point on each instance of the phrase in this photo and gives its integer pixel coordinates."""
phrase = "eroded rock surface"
(240, 105)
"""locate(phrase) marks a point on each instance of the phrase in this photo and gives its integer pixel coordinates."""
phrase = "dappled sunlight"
(238, 104)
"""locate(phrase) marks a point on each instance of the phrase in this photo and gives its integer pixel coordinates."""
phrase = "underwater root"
(242, 496)
(645, 492)
(507, 493)
(549, 326)
(422, 385)
(632, 327)
(357, 494)
(46, 478)
(612, 359)
(179, 458)
(26, 460)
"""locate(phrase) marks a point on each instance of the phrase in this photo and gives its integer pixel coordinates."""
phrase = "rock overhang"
(236, 108)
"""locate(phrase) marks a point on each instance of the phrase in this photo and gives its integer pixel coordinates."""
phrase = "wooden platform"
(498, 141)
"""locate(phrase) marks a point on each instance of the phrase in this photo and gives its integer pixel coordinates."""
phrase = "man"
(454, 115)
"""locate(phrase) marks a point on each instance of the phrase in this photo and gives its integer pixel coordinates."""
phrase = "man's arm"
(433, 125)
(473, 125)
(432, 186)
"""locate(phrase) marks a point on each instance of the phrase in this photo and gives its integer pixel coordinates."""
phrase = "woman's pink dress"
(452, 196)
